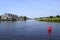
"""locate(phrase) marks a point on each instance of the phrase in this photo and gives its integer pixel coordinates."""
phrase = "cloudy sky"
(30, 8)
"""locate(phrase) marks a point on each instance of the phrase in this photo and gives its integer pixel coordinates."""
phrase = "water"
(29, 30)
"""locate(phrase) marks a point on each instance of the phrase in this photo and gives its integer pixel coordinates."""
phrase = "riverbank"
(49, 19)
(10, 20)
(12, 17)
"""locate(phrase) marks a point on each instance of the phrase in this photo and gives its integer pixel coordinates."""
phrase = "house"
(8, 16)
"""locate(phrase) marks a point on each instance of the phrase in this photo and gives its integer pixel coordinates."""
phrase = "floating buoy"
(49, 28)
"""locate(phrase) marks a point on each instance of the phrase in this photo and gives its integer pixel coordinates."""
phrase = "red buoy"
(49, 28)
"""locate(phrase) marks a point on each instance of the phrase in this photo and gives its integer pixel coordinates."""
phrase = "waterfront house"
(8, 16)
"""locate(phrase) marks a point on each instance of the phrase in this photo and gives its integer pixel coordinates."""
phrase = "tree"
(57, 16)
(24, 17)
(51, 16)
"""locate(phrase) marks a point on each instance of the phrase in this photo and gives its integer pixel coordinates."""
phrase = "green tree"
(57, 16)
(24, 17)
(51, 16)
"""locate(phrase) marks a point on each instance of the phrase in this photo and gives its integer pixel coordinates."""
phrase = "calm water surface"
(29, 30)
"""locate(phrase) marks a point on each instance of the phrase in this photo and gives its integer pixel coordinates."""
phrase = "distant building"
(9, 16)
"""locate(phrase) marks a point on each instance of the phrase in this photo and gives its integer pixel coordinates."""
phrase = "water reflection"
(49, 35)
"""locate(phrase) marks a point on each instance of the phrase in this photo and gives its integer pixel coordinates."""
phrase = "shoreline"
(49, 19)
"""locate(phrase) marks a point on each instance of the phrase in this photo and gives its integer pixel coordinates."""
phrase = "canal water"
(29, 30)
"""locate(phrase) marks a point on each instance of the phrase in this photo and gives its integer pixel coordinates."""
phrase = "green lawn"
(48, 19)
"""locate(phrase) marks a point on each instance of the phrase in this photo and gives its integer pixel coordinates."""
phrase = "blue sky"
(30, 8)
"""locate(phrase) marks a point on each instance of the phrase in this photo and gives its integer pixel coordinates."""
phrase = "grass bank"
(49, 19)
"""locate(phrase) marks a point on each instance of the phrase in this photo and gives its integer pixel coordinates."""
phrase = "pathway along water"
(29, 30)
